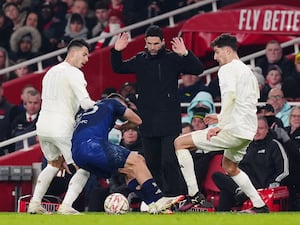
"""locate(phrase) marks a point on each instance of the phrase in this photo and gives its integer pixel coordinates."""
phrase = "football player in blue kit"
(93, 153)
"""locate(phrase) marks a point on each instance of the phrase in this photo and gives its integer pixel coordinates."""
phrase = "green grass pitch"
(202, 218)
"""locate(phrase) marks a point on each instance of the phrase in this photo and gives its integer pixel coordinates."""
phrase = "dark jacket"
(285, 65)
(20, 126)
(265, 162)
(292, 148)
(157, 80)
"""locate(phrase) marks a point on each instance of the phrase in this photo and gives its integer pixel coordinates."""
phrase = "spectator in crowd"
(102, 15)
(25, 43)
(13, 12)
(127, 89)
(20, 107)
(290, 137)
(265, 162)
(6, 29)
(81, 7)
(5, 120)
(281, 107)
(260, 79)
(190, 86)
(268, 112)
(26, 121)
(22, 4)
(4, 63)
(115, 22)
(274, 56)
(19, 72)
(116, 5)
(186, 128)
(157, 71)
(202, 103)
(273, 80)
(291, 84)
(75, 29)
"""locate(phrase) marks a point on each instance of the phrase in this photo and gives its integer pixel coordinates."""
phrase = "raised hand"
(178, 46)
(122, 41)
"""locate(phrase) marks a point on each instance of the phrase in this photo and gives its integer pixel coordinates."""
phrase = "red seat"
(210, 189)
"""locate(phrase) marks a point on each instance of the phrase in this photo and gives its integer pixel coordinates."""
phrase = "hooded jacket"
(204, 98)
(20, 33)
(265, 162)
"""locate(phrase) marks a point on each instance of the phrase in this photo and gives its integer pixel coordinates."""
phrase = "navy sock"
(150, 191)
(132, 185)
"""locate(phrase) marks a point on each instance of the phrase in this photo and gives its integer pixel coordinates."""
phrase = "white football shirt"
(239, 97)
(63, 89)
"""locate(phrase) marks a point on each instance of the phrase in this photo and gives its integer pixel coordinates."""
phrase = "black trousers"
(159, 153)
(227, 191)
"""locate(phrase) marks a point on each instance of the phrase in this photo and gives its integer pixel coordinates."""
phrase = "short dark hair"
(118, 96)
(78, 43)
(101, 5)
(76, 18)
(225, 40)
(154, 31)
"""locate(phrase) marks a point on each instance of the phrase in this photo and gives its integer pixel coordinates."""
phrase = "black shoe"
(186, 204)
(264, 209)
(197, 200)
(240, 198)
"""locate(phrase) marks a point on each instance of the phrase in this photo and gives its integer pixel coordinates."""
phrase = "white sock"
(186, 164)
(247, 187)
(76, 185)
(43, 182)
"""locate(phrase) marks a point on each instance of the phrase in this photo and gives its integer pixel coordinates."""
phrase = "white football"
(116, 203)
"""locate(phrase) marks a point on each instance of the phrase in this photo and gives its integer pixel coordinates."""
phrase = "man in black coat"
(157, 71)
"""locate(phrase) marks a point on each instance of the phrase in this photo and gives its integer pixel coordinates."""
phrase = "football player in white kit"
(236, 123)
(63, 92)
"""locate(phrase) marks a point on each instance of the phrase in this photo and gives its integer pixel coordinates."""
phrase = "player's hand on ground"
(122, 41)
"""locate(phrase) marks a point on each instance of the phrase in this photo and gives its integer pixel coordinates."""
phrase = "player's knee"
(230, 170)
(57, 162)
(177, 143)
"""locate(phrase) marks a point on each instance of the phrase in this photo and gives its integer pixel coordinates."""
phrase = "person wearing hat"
(268, 112)
(115, 22)
(202, 103)
(25, 43)
(291, 85)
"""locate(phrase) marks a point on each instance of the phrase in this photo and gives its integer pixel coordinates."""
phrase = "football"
(116, 203)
